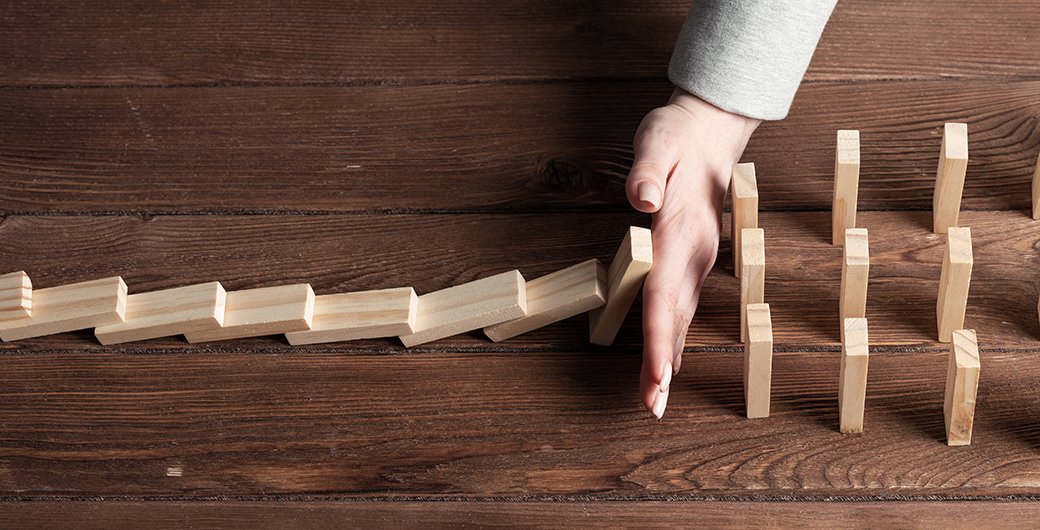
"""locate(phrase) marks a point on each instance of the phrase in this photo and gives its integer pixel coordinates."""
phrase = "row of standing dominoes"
(749, 265)
(504, 305)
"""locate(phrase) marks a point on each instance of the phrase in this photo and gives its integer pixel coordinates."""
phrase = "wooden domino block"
(15, 296)
(753, 277)
(855, 270)
(176, 311)
(758, 361)
(852, 394)
(1036, 190)
(962, 383)
(744, 207)
(361, 315)
(846, 185)
(953, 282)
(469, 306)
(949, 181)
(554, 297)
(263, 311)
(624, 278)
(69, 308)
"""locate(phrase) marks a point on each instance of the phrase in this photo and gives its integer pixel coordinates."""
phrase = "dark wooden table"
(365, 145)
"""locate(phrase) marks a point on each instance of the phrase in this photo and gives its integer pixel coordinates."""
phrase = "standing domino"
(758, 361)
(745, 208)
(962, 383)
(855, 271)
(852, 394)
(953, 282)
(753, 277)
(949, 180)
(846, 185)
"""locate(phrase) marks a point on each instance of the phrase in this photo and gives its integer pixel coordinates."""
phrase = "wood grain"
(541, 147)
(57, 44)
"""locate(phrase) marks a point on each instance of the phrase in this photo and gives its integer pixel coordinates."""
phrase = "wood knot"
(564, 175)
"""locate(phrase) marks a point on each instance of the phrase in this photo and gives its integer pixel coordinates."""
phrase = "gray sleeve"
(748, 56)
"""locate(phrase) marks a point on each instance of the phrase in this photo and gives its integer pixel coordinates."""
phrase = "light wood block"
(962, 383)
(181, 310)
(554, 297)
(758, 361)
(949, 181)
(15, 296)
(852, 391)
(361, 315)
(855, 271)
(263, 311)
(846, 185)
(469, 306)
(1036, 190)
(744, 207)
(753, 277)
(624, 278)
(69, 308)
(953, 282)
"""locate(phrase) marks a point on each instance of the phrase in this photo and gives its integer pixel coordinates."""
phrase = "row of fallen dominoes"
(504, 305)
(756, 330)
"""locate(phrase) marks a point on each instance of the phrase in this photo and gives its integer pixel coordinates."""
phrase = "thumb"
(656, 154)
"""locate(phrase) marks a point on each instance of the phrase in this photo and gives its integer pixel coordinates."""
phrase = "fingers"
(656, 154)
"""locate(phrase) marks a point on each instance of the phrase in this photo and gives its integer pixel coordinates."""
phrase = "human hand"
(684, 156)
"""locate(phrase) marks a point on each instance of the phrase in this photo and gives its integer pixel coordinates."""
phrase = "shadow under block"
(469, 306)
(962, 384)
(846, 185)
(855, 272)
(852, 391)
(954, 282)
(1036, 190)
(949, 180)
(70, 308)
(758, 361)
(181, 310)
(625, 276)
(744, 207)
(15, 296)
(753, 276)
(361, 315)
(263, 311)
(557, 296)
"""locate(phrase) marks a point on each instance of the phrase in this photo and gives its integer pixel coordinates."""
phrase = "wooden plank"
(758, 361)
(206, 423)
(461, 308)
(15, 296)
(557, 296)
(625, 277)
(362, 315)
(954, 282)
(949, 179)
(69, 308)
(530, 514)
(744, 204)
(846, 184)
(318, 41)
(855, 273)
(176, 311)
(526, 147)
(753, 277)
(962, 385)
(262, 311)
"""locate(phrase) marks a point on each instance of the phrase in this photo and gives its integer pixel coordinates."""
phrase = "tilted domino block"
(176, 311)
(15, 296)
(624, 278)
(855, 273)
(554, 297)
(69, 308)
(852, 391)
(262, 311)
(469, 306)
(360, 315)
(758, 361)
(954, 282)
(962, 383)
(949, 179)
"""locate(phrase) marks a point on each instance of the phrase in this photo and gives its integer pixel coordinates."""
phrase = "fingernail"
(648, 193)
(676, 363)
(662, 397)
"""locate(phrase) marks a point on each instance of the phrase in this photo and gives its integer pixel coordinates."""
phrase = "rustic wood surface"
(359, 145)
